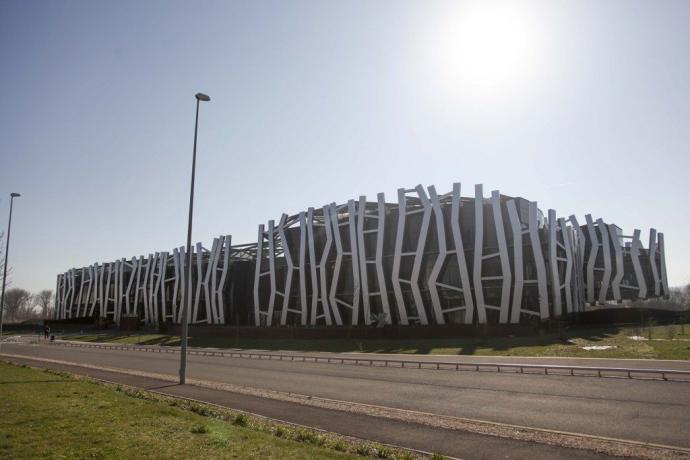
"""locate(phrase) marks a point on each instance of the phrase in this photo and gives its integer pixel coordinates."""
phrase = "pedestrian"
(46, 331)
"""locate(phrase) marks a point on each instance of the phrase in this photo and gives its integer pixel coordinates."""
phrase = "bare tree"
(15, 300)
(44, 300)
(680, 296)
(28, 311)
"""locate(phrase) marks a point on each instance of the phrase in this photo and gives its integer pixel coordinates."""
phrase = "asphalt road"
(453, 443)
(639, 410)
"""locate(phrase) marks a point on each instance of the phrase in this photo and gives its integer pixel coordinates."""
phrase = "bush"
(340, 446)
(200, 429)
(383, 452)
(240, 420)
(201, 410)
(307, 436)
(362, 449)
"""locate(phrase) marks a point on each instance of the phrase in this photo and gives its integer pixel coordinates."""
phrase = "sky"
(582, 106)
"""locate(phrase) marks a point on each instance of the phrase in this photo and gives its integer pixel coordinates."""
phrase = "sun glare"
(488, 48)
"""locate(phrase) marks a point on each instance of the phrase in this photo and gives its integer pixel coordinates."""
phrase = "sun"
(488, 47)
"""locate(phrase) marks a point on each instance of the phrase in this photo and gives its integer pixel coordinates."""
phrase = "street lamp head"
(14, 195)
(202, 97)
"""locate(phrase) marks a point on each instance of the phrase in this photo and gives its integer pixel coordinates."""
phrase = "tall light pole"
(188, 304)
(4, 269)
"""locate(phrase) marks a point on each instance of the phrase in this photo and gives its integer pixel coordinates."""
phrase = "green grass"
(668, 342)
(50, 415)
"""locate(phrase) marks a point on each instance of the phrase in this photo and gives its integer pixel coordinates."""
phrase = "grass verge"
(654, 342)
(49, 414)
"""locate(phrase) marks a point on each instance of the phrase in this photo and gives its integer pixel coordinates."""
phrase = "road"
(638, 410)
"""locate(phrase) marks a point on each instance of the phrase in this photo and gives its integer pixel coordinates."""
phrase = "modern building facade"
(428, 258)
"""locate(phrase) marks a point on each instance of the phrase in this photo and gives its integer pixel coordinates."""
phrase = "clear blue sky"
(583, 106)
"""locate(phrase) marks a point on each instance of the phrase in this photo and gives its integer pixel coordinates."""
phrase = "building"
(428, 259)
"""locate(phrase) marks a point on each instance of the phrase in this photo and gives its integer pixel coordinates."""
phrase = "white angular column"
(270, 236)
(635, 249)
(365, 259)
(318, 277)
(340, 253)
(57, 302)
(354, 259)
(151, 291)
(480, 257)
(440, 258)
(162, 280)
(302, 268)
(479, 252)
(219, 286)
(128, 293)
(443, 253)
(591, 260)
(553, 264)
(418, 254)
(397, 255)
(568, 279)
(538, 261)
(120, 288)
(257, 275)
(503, 255)
(383, 288)
(96, 296)
(333, 214)
(579, 263)
(460, 254)
(285, 294)
(145, 284)
(81, 289)
(290, 269)
(652, 261)
(518, 260)
(271, 272)
(137, 285)
(361, 215)
(70, 292)
(179, 258)
(615, 236)
(662, 262)
(606, 280)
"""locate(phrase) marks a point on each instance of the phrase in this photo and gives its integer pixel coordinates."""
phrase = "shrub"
(240, 420)
(362, 449)
(199, 429)
(307, 436)
(340, 446)
(383, 452)
(201, 410)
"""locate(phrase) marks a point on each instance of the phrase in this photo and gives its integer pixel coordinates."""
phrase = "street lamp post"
(4, 270)
(188, 304)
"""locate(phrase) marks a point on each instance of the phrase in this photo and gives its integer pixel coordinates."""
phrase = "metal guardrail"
(518, 368)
